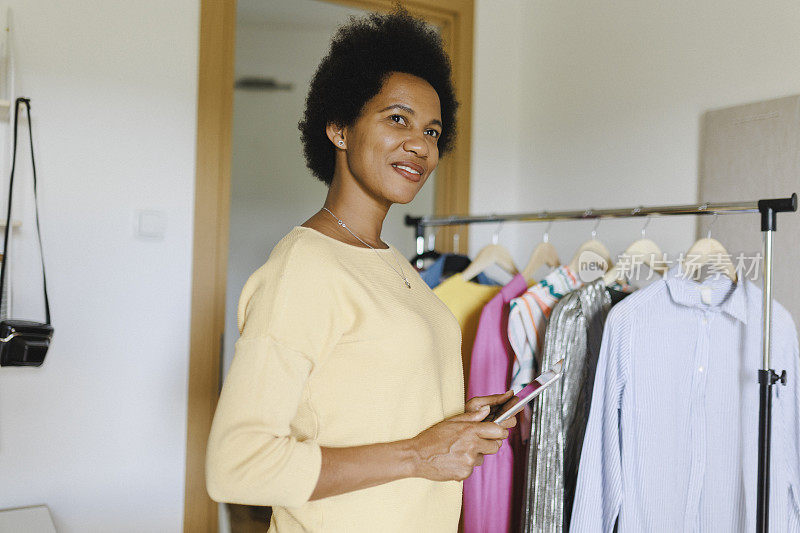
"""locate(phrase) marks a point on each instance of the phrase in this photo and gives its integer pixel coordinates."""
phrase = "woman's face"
(391, 149)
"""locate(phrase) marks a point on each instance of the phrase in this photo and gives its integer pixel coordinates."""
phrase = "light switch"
(151, 224)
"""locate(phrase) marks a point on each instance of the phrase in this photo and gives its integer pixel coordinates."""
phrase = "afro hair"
(363, 53)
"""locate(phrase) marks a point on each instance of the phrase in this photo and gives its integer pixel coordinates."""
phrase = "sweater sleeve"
(286, 320)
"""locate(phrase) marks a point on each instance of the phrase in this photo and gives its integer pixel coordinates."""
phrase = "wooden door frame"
(212, 205)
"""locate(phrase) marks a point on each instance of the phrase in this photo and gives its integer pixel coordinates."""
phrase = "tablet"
(527, 394)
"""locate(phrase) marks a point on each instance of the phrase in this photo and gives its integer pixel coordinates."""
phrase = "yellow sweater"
(334, 351)
(465, 299)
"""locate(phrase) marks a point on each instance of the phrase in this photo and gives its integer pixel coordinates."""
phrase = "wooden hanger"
(491, 254)
(592, 245)
(544, 254)
(707, 250)
(644, 250)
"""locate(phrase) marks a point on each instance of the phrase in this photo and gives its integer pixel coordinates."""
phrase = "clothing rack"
(769, 208)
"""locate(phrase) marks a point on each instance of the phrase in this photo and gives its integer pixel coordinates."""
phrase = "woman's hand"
(451, 449)
(498, 403)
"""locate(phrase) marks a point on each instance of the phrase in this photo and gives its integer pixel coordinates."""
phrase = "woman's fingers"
(490, 430)
(509, 422)
(489, 446)
(493, 399)
(474, 415)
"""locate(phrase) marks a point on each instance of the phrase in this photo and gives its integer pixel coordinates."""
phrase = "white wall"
(497, 103)
(98, 432)
(598, 104)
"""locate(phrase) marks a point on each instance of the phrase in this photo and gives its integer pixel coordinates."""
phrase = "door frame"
(212, 205)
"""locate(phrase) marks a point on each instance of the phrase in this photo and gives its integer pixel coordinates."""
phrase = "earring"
(341, 143)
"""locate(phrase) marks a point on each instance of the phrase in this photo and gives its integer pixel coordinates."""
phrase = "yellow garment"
(334, 351)
(466, 300)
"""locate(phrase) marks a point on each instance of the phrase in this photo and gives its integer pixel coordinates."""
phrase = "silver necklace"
(394, 254)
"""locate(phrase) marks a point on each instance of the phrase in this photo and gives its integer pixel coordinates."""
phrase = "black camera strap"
(27, 103)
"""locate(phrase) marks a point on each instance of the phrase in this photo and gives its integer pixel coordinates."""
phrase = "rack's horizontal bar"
(544, 216)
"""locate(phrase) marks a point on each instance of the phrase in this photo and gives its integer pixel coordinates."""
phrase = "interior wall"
(98, 433)
(598, 104)
(497, 103)
(754, 150)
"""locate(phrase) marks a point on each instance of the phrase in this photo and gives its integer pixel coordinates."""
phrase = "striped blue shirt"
(672, 439)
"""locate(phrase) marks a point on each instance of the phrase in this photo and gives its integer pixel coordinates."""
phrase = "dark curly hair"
(363, 53)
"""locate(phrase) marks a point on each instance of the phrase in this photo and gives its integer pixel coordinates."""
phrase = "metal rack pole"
(767, 377)
(543, 216)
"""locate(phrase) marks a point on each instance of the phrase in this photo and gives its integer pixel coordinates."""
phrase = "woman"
(343, 408)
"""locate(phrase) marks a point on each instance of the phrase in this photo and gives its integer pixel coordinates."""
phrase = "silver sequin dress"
(559, 416)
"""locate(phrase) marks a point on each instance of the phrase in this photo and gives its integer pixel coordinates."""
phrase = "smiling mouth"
(413, 175)
(407, 169)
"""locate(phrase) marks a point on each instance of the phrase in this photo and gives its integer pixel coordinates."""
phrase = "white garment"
(672, 439)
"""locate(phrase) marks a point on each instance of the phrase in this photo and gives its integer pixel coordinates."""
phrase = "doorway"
(236, 130)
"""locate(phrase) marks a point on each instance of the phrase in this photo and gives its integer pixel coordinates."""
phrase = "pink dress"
(489, 495)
